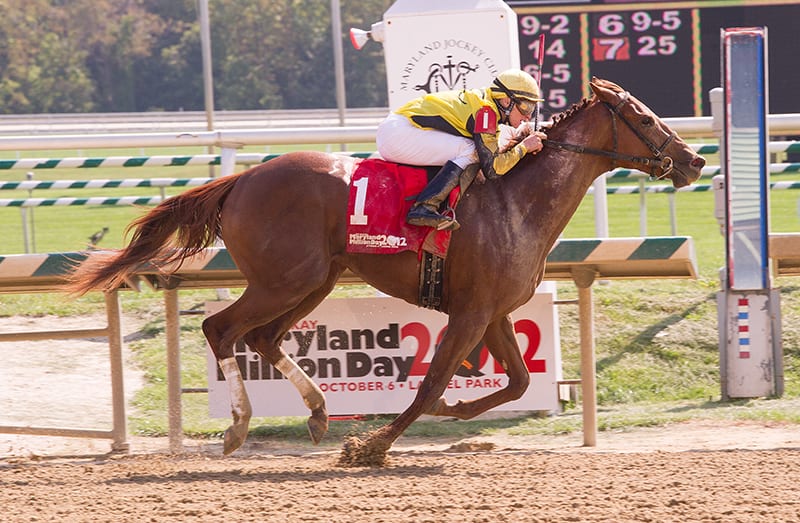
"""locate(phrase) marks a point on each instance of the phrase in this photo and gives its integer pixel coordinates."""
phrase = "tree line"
(74, 56)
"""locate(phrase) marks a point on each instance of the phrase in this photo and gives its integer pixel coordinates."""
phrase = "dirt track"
(688, 472)
(488, 480)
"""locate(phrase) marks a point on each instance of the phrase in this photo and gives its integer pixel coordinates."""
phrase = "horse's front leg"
(461, 336)
(502, 344)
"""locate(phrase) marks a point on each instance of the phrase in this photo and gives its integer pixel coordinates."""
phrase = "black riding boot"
(426, 209)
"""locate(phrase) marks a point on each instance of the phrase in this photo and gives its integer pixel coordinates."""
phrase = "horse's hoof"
(371, 452)
(233, 439)
(318, 424)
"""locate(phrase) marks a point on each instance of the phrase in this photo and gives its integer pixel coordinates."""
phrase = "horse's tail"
(177, 228)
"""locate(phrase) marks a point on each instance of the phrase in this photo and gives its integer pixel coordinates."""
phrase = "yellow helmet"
(515, 83)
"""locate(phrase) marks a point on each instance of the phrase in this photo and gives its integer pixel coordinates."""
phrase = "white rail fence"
(103, 123)
(230, 140)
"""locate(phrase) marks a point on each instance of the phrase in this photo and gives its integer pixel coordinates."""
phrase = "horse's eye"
(647, 121)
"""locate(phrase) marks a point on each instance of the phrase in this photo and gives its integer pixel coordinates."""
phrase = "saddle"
(381, 194)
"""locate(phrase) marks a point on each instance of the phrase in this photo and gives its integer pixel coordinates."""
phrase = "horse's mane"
(568, 113)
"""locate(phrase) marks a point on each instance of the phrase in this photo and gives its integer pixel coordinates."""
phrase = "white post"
(642, 208)
(208, 81)
(119, 429)
(205, 43)
(715, 98)
(23, 212)
(338, 61)
(673, 214)
(600, 207)
(227, 160)
(584, 278)
(173, 335)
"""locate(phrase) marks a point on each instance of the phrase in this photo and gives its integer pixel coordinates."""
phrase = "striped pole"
(104, 184)
(780, 168)
(119, 161)
(256, 158)
(141, 161)
(708, 171)
(155, 200)
(59, 202)
(663, 256)
(634, 189)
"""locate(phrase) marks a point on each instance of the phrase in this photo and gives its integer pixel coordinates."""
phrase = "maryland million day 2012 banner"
(369, 355)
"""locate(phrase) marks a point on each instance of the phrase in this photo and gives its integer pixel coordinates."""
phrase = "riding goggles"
(525, 107)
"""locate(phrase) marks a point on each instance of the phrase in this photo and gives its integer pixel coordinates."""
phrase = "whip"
(539, 82)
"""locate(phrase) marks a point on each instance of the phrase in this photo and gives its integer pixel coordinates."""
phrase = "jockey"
(458, 128)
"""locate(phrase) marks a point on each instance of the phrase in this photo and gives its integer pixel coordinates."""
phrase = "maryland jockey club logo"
(446, 77)
(444, 65)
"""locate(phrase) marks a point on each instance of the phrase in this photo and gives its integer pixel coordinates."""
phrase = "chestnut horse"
(283, 223)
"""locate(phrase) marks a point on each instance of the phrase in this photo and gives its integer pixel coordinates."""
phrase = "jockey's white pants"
(401, 142)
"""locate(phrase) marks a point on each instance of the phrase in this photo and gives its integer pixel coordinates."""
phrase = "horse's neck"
(590, 128)
(557, 181)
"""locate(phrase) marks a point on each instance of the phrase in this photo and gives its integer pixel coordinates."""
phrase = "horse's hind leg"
(222, 330)
(262, 339)
(502, 344)
(255, 307)
(266, 340)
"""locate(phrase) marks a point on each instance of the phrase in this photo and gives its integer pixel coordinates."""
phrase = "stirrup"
(449, 222)
(424, 216)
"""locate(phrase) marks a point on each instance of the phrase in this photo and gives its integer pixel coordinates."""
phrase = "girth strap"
(430, 281)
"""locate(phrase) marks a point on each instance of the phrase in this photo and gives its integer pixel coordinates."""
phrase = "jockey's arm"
(495, 162)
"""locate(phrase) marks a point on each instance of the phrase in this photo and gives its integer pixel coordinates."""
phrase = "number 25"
(666, 45)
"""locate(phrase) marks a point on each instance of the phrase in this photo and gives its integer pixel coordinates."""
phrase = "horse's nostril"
(699, 162)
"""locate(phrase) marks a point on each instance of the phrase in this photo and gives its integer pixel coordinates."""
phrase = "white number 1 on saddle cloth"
(381, 193)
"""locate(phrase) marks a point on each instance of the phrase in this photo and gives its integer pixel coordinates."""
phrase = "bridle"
(658, 161)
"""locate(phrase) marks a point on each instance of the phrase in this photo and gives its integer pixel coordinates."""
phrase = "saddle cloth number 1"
(359, 217)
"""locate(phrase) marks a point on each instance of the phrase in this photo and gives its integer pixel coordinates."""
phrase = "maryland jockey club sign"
(369, 356)
(435, 67)
(445, 45)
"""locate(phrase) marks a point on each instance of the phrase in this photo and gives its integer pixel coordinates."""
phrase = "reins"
(658, 162)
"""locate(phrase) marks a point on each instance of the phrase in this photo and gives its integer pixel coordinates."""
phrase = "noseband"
(658, 161)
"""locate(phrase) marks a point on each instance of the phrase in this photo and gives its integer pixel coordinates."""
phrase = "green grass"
(76, 224)
(657, 363)
(656, 340)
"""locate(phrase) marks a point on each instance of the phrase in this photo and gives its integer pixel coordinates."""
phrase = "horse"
(284, 221)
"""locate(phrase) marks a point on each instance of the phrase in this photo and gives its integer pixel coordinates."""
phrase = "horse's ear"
(600, 87)
(604, 89)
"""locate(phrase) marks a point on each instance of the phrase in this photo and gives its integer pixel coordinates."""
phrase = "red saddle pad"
(381, 194)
